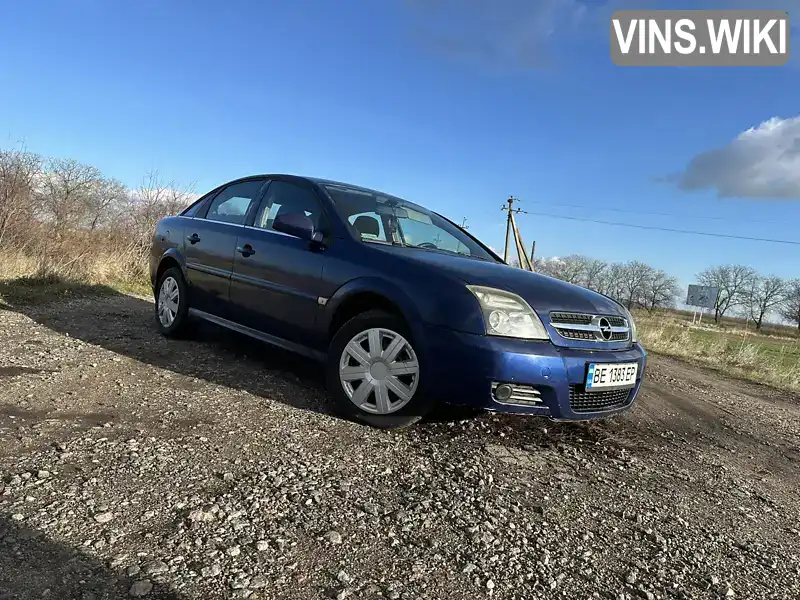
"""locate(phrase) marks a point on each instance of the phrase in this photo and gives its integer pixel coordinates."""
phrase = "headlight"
(632, 325)
(506, 314)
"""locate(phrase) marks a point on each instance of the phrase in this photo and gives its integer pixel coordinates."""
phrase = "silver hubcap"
(168, 298)
(379, 371)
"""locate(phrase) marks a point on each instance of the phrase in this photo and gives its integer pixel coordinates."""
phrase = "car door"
(277, 278)
(210, 244)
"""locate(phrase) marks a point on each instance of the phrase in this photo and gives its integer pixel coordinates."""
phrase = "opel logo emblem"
(605, 328)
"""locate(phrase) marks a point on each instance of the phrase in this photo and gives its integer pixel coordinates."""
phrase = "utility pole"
(511, 229)
(508, 229)
(533, 254)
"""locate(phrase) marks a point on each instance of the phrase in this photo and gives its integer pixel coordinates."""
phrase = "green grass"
(133, 288)
(768, 359)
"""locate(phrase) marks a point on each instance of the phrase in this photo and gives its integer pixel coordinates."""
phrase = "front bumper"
(464, 366)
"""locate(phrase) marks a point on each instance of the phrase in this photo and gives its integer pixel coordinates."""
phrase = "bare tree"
(65, 191)
(764, 295)
(574, 268)
(733, 282)
(571, 269)
(660, 290)
(154, 199)
(634, 278)
(611, 281)
(545, 266)
(593, 273)
(18, 173)
(790, 309)
(104, 202)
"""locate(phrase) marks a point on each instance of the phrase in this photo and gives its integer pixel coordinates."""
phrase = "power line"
(652, 227)
(600, 207)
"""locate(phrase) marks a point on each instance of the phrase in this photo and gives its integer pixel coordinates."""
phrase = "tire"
(172, 318)
(382, 406)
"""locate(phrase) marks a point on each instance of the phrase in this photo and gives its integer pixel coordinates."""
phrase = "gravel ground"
(135, 466)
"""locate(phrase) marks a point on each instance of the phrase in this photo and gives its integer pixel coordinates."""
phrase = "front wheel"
(374, 373)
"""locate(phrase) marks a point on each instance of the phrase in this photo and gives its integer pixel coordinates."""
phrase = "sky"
(453, 104)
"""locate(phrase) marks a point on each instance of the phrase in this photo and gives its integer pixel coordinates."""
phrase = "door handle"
(193, 239)
(246, 250)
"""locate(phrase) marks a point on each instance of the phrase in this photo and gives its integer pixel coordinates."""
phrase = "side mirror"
(298, 225)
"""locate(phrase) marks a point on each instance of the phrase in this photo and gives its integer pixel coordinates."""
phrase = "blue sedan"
(404, 307)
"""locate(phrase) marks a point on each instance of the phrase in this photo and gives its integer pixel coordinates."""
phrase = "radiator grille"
(589, 327)
(570, 318)
(576, 334)
(582, 401)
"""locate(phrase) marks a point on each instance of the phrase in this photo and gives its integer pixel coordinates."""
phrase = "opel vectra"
(404, 307)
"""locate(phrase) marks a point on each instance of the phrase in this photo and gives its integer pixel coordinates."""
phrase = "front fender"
(374, 285)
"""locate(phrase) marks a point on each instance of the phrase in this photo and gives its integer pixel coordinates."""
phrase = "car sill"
(259, 335)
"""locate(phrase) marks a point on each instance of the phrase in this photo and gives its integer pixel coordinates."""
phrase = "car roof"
(316, 180)
(320, 181)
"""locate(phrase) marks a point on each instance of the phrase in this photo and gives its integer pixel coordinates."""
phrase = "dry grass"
(770, 359)
(35, 279)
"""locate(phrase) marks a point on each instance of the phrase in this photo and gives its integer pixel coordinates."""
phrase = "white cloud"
(762, 162)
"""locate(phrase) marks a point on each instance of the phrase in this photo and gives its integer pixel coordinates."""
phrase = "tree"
(790, 309)
(18, 173)
(568, 268)
(154, 199)
(633, 282)
(611, 281)
(593, 273)
(764, 295)
(65, 193)
(660, 290)
(573, 268)
(104, 202)
(733, 282)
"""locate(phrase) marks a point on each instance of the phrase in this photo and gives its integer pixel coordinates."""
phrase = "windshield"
(384, 219)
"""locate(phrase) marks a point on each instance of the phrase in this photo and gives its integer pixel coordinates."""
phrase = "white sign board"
(703, 296)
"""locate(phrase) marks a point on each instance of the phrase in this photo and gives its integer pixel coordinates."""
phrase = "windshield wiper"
(445, 250)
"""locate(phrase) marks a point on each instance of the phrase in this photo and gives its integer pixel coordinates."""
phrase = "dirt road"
(134, 466)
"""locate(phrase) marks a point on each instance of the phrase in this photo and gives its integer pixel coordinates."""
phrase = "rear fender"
(171, 254)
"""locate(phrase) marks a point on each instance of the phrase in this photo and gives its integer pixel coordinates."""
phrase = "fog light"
(503, 392)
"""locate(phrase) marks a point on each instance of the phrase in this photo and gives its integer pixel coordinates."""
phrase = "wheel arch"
(171, 258)
(362, 295)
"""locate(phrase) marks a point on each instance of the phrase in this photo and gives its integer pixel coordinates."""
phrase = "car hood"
(543, 293)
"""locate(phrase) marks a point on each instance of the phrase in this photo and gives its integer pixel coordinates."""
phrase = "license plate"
(611, 376)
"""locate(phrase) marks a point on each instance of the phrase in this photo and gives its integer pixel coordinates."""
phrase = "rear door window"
(232, 203)
(285, 198)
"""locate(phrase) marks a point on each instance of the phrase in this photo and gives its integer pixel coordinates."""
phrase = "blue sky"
(444, 103)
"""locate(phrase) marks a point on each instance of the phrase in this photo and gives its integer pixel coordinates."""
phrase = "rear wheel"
(374, 373)
(172, 303)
